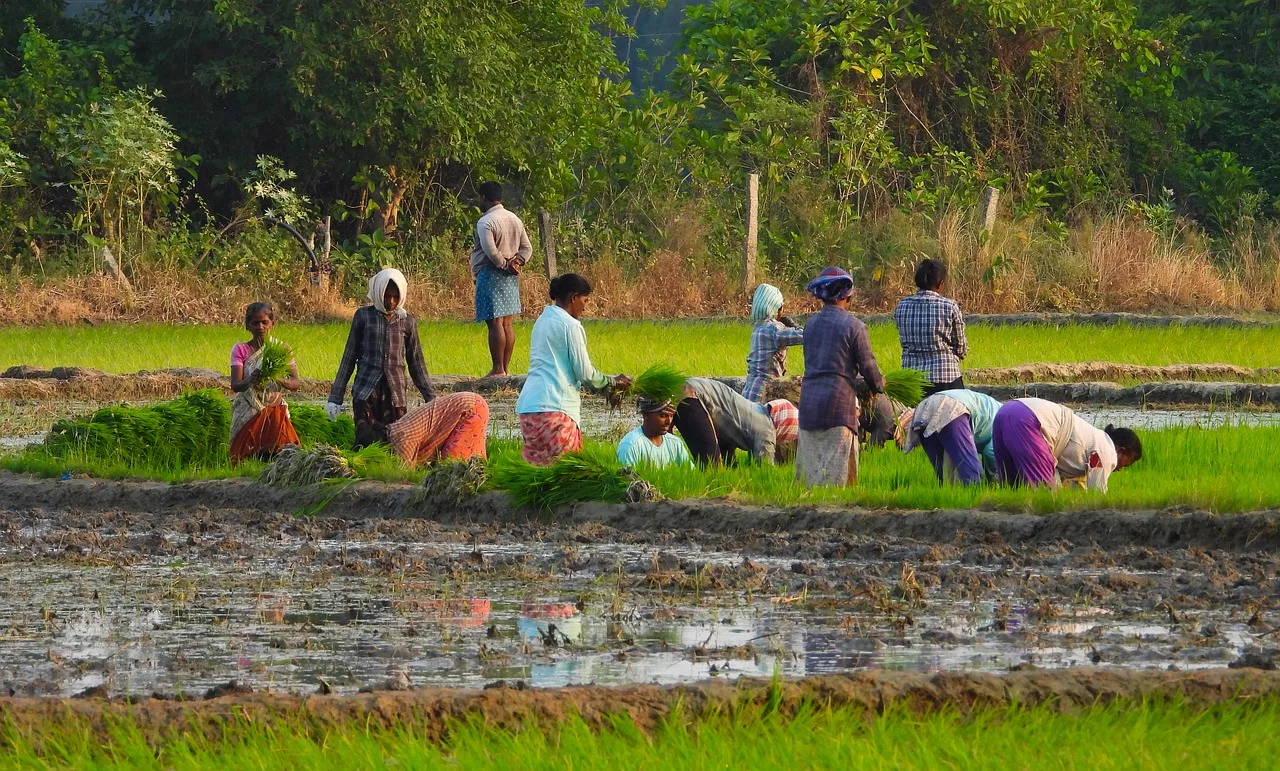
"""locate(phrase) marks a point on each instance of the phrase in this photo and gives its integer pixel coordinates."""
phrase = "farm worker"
(260, 423)
(954, 427)
(501, 249)
(837, 350)
(1038, 442)
(716, 421)
(652, 443)
(452, 427)
(770, 338)
(931, 330)
(382, 341)
(550, 402)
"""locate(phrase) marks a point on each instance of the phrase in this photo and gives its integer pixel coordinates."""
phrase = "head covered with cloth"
(389, 278)
(832, 285)
(765, 303)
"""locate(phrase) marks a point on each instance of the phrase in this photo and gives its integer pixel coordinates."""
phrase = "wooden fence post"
(326, 248)
(988, 206)
(547, 235)
(753, 232)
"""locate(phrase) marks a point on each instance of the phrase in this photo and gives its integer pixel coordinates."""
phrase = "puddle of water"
(276, 621)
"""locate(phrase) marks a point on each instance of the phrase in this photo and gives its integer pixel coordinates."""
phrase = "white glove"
(334, 410)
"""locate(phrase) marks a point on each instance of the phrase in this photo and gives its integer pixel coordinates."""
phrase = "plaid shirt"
(381, 348)
(768, 358)
(837, 349)
(931, 328)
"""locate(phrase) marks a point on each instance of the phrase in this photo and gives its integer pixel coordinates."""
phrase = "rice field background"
(705, 348)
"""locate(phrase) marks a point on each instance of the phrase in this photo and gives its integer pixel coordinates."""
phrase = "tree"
(399, 95)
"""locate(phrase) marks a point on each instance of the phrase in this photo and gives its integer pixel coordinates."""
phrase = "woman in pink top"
(260, 423)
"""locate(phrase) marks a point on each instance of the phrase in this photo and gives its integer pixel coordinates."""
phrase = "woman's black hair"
(1125, 439)
(930, 274)
(262, 306)
(568, 285)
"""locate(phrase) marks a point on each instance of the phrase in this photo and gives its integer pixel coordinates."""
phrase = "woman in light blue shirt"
(550, 404)
(954, 427)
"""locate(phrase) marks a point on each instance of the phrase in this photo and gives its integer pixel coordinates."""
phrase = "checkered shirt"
(768, 357)
(931, 328)
(381, 348)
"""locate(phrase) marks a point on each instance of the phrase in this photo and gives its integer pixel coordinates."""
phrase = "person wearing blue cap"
(837, 349)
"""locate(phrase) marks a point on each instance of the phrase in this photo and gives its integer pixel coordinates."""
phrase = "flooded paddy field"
(183, 603)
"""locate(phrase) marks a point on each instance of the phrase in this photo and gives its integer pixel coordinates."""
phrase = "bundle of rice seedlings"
(314, 427)
(374, 460)
(275, 362)
(187, 432)
(660, 383)
(906, 386)
(453, 481)
(296, 467)
(591, 475)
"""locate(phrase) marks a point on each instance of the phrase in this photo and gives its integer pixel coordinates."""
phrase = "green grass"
(1153, 735)
(617, 346)
(1223, 470)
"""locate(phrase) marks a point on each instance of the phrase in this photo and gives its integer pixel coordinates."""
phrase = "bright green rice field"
(705, 348)
(1226, 469)
(1138, 736)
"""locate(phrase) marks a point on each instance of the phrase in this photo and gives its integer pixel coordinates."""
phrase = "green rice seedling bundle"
(314, 427)
(906, 386)
(296, 467)
(274, 367)
(451, 482)
(591, 475)
(190, 431)
(660, 383)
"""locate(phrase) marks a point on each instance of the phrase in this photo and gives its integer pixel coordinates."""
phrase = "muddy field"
(185, 599)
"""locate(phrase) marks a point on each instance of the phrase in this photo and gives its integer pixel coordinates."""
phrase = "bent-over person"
(449, 427)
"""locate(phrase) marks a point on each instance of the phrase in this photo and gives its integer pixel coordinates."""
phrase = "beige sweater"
(500, 238)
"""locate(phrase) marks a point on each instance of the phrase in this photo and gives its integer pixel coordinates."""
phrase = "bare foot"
(493, 373)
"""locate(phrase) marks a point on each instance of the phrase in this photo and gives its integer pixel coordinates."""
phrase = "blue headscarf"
(832, 285)
(766, 303)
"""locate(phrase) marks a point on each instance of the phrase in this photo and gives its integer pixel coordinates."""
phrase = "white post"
(753, 232)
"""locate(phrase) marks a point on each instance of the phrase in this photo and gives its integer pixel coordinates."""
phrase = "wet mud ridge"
(376, 500)
(432, 709)
(1085, 383)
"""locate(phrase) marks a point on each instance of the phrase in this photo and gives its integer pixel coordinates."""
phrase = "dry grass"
(1114, 264)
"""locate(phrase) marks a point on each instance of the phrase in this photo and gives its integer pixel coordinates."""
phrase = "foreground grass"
(616, 346)
(1227, 469)
(1148, 735)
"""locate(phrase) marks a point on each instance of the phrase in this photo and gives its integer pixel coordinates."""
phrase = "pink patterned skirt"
(547, 436)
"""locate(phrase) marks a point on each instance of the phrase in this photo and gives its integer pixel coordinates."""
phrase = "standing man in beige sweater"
(501, 249)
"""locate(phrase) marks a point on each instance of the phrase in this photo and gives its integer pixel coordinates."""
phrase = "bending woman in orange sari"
(452, 427)
(260, 423)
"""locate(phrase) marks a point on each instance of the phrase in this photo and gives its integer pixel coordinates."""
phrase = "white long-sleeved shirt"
(500, 237)
(558, 367)
(1085, 454)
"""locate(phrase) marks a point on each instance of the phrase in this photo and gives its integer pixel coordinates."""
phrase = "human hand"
(334, 410)
(622, 381)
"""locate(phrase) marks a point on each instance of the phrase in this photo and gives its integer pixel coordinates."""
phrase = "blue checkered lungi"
(497, 294)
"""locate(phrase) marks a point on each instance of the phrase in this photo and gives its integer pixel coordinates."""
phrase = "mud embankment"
(1092, 383)
(431, 710)
(365, 500)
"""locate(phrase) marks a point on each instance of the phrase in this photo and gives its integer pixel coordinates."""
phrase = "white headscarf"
(766, 303)
(378, 289)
